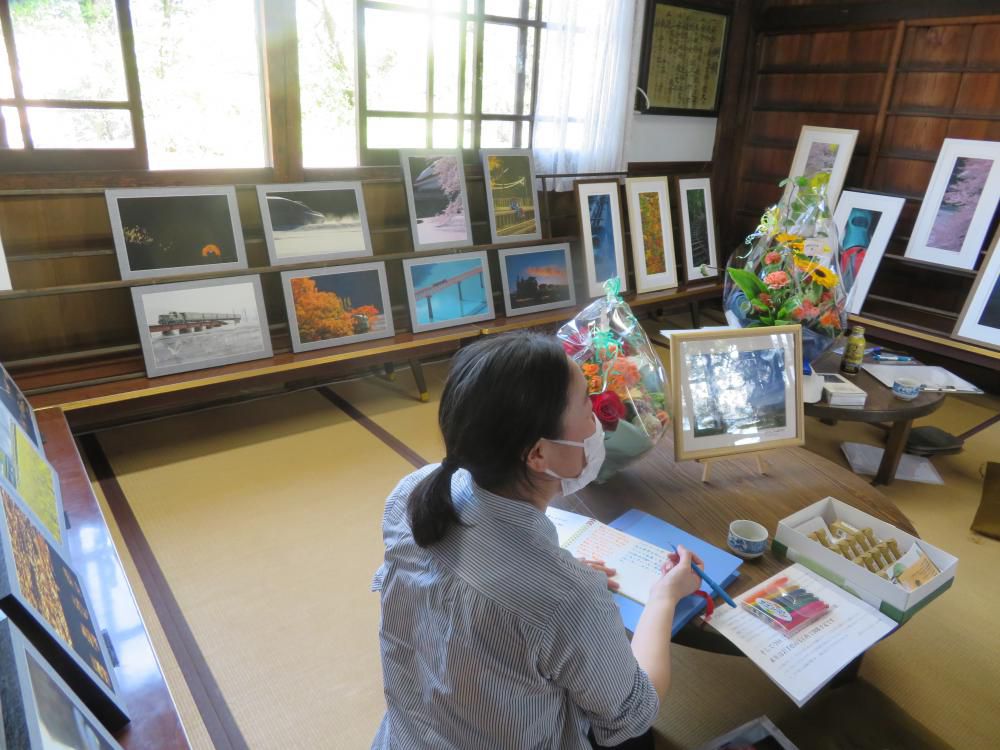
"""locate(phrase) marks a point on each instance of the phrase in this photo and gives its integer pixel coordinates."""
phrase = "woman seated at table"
(492, 636)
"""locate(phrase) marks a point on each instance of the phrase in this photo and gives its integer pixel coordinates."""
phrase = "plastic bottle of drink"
(854, 352)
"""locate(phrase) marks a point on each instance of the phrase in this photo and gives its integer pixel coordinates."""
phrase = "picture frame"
(317, 315)
(175, 231)
(429, 199)
(511, 194)
(42, 594)
(5, 285)
(40, 711)
(690, 86)
(522, 271)
(824, 149)
(13, 400)
(653, 256)
(314, 221)
(764, 410)
(864, 222)
(436, 284)
(599, 206)
(979, 321)
(959, 204)
(174, 319)
(697, 228)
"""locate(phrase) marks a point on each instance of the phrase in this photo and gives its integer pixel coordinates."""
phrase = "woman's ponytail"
(431, 509)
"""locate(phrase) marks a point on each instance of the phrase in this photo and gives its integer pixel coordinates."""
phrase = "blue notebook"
(721, 566)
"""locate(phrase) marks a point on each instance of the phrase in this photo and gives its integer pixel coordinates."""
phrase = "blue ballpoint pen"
(704, 576)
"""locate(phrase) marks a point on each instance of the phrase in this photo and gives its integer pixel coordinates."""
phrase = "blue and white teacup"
(748, 539)
(906, 389)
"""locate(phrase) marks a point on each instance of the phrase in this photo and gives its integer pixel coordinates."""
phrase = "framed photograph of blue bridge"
(600, 210)
(448, 290)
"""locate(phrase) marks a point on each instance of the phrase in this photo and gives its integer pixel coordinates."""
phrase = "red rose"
(609, 409)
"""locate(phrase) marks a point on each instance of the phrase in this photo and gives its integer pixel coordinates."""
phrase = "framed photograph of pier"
(826, 150)
(448, 290)
(14, 401)
(979, 322)
(601, 233)
(864, 222)
(335, 306)
(959, 204)
(40, 711)
(43, 596)
(174, 231)
(25, 470)
(191, 325)
(511, 194)
(653, 258)
(697, 228)
(437, 197)
(314, 221)
(537, 278)
(736, 390)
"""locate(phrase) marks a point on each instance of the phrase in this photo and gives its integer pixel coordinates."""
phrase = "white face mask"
(593, 451)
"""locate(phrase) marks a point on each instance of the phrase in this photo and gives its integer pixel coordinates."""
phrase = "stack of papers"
(931, 378)
(839, 391)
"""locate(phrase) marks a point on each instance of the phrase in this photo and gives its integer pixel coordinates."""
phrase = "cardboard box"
(892, 600)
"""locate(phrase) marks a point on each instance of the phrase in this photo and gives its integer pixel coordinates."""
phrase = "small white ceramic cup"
(906, 389)
(748, 539)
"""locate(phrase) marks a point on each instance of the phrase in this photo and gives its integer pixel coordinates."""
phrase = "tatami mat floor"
(264, 519)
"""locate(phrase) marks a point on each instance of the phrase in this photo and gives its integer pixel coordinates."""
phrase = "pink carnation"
(772, 257)
(765, 298)
(806, 310)
(776, 280)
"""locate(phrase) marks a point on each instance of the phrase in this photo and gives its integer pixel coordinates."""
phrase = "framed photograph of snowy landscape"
(438, 200)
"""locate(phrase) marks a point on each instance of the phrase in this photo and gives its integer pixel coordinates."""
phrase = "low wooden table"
(880, 408)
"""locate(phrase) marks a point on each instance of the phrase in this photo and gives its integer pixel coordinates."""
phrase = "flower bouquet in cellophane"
(625, 378)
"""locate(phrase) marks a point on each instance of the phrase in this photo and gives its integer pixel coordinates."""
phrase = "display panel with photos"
(599, 207)
(448, 290)
(27, 472)
(438, 200)
(701, 260)
(736, 390)
(537, 278)
(335, 306)
(959, 204)
(191, 325)
(42, 594)
(314, 221)
(14, 401)
(651, 227)
(173, 231)
(864, 223)
(827, 150)
(40, 711)
(511, 195)
(979, 321)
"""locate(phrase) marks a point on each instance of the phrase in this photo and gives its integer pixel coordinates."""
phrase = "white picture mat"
(845, 140)
(293, 322)
(595, 286)
(5, 285)
(889, 206)
(783, 341)
(404, 159)
(411, 297)
(951, 150)
(265, 216)
(667, 279)
(523, 152)
(968, 326)
(506, 253)
(113, 196)
(691, 271)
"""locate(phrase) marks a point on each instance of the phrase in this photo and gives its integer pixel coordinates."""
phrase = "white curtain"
(585, 92)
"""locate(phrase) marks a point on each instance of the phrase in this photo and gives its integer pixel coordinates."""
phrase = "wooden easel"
(706, 472)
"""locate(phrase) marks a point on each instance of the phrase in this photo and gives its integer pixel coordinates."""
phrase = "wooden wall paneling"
(978, 94)
(935, 47)
(984, 47)
(926, 93)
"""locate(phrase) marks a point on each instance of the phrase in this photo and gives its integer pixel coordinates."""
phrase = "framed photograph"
(24, 469)
(173, 231)
(314, 221)
(701, 260)
(959, 204)
(335, 306)
(653, 258)
(42, 594)
(191, 325)
(14, 401)
(979, 321)
(439, 202)
(864, 223)
(40, 711)
(448, 290)
(511, 194)
(736, 391)
(682, 58)
(826, 150)
(537, 278)
(601, 233)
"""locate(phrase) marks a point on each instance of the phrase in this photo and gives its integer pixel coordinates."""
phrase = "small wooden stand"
(706, 472)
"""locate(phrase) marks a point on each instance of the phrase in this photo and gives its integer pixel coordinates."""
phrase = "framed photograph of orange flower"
(653, 256)
(336, 306)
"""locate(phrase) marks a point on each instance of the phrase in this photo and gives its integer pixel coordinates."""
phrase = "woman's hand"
(678, 580)
(600, 567)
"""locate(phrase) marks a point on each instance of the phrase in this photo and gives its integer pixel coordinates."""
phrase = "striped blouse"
(497, 638)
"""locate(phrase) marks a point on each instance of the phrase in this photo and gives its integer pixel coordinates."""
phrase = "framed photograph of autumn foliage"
(648, 201)
(335, 306)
